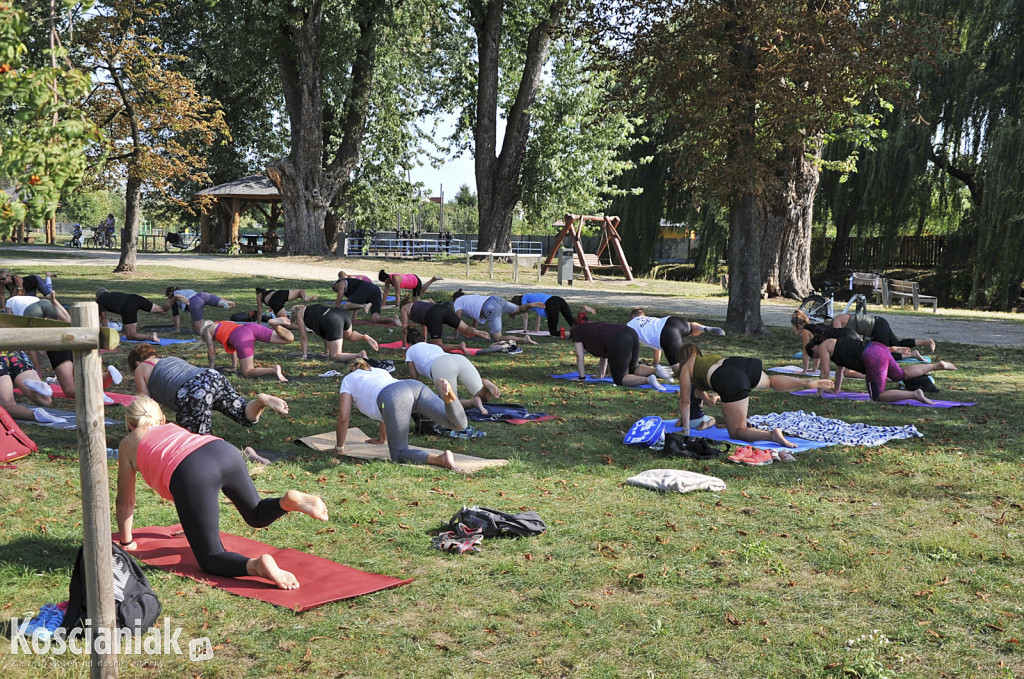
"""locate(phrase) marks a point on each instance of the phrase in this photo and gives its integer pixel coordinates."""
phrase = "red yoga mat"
(321, 581)
(119, 399)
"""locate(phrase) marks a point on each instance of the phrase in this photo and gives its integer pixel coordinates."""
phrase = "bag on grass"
(14, 443)
(136, 605)
(692, 447)
(923, 382)
(495, 524)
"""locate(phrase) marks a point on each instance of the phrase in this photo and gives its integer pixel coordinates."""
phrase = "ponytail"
(143, 412)
(358, 364)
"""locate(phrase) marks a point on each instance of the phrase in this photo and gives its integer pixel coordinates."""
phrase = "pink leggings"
(879, 365)
(243, 338)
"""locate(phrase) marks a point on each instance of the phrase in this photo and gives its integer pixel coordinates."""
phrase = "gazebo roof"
(256, 187)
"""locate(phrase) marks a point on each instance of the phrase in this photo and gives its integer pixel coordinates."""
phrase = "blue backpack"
(646, 431)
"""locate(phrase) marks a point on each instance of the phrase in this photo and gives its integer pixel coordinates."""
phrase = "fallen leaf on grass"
(732, 619)
(404, 527)
(636, 576)
(995, 627)
(923, 593)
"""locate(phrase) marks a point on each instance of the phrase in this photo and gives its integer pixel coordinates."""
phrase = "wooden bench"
(903, 290)
(594, 262)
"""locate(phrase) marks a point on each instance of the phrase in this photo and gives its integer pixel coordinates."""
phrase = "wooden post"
(92, 464)
(204, 231)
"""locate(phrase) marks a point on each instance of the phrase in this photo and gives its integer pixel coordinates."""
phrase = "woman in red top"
(191, 470)
(239, 340)
(404, 281)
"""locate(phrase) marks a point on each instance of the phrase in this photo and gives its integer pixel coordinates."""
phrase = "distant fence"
(907, 251)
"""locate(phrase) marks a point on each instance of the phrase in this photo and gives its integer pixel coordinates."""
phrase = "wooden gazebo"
(233, 199)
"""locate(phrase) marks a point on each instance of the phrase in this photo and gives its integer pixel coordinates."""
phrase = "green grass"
(920, 540)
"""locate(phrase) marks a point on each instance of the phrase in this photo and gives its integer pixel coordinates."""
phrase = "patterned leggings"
(200, 396)
(879, 365)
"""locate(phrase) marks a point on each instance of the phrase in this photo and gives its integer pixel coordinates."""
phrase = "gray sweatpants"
(398, 402)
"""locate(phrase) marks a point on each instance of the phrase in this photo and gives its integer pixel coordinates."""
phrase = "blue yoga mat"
(721, 434)
(667, 388)
(163, 341)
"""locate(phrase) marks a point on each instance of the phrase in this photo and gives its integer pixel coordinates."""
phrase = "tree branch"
(968, 178)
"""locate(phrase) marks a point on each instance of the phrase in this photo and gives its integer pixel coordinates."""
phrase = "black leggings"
(882, 332)
(623, 354)
(361, 292)
(276, 299)
(196, 485)
(334, 324)
(672, 338)
(554, 306)
(439, 316)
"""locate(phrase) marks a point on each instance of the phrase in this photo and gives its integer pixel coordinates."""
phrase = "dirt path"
(979, 330)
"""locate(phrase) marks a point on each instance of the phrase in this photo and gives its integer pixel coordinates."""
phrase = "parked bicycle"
(820, 308)
(101, 238)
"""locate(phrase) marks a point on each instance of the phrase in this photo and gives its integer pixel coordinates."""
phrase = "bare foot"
(447, 393)
(278, 405)
(280, 374)
(919, 395)
(946, 365)
(311, 505)
(155, 338)
(707, 424)
(917, 354)
(372, 342)
(265, 567)
(446, 460)
(367, 307)
(462, 347)
(589, 310)
(396, 321)
(477, 402)
(821, 384)
(434, 279)
(931, 346)
(252, 456)
(777, 437)
(491, 387)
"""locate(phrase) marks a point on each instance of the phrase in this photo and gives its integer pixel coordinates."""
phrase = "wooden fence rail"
(906, 251)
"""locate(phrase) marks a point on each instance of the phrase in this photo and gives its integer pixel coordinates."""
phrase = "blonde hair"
(359, 364)
(296, 311)
(799, 319)
(206, 330)
(143, 412)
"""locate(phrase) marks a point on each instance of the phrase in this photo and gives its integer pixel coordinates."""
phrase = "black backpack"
(923, 382)
(497, 524)
(693, 447)
(136, 605)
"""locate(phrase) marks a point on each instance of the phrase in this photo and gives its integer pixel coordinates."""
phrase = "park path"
(979, 330)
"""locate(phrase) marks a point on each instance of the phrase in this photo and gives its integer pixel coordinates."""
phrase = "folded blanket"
(506, 412)
(676, 480)
(816, 428)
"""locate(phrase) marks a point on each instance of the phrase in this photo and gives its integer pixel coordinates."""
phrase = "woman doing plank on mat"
(875, 361)
(333, 325)
(431, 361)
(276, 299)
(404, 281)
(11, 285)
(362, 296)
(239, 341)
(878, 329)
(393, 402)
(432, 318)
(803, 327)
(553, 306)
(667, 333)
(194, 392)
(181, 300)
(16, 370)
(617, 346)
(338, 286)
(191, 470)
(128, 306)
(732, 378)
(488, 311)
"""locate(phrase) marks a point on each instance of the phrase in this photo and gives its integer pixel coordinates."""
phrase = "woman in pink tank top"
(404, 281)
(192, 470)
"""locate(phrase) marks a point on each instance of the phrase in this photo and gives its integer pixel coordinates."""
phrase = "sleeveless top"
(222, 332)
(168, 376)
(701, 365)
(418, 312)
(849, 353)
(160, 452)
(406, 281)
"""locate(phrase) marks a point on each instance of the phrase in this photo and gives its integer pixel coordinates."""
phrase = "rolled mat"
(721, 434)
(356, 446)
(861, 396)
(666, 388)
(321, 581)
(397, 344)
(164, 341)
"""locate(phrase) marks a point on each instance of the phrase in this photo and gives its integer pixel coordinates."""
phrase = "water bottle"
(561, 331)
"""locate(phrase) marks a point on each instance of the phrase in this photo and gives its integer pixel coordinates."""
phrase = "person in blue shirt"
(553, 306)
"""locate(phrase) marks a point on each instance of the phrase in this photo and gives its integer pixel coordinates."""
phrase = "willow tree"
(751, 87)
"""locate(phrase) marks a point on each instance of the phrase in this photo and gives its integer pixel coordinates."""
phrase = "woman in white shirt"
(392, 402)
(430, 360)
(667, 333)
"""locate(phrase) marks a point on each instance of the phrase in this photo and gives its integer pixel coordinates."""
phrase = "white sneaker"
(114, 374)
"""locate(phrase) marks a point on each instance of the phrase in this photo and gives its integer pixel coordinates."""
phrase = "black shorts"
(368, 293)
(275, 299)
(736, 377)
(129, 311)
(416, 292)
(672, 338)
(334, 324)
(58, 357)
(623, 354)
(439, 316)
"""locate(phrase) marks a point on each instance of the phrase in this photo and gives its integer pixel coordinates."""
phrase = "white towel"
(676, 480)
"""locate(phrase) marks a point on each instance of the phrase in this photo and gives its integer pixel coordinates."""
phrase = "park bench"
(893, 289)
(594, 263)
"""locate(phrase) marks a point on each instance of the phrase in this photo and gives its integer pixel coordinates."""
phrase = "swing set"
(589, 262)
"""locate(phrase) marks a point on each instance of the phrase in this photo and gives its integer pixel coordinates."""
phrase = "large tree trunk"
(497, 176)
(746, 224)
(130, 232)
(786, 249)
(307, 187)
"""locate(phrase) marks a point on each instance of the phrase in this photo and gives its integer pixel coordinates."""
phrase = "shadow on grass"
(40, 553)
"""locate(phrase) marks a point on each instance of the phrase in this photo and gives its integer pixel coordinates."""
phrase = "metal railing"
(357, 246)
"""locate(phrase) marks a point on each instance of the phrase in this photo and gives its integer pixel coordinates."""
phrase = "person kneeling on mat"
(393, 402)
(191, 470)
(618, 346)
(431, 361)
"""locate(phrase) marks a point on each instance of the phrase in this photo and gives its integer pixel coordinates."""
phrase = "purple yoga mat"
(860, 396)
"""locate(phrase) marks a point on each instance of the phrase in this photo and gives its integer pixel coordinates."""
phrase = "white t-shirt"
(364, 386)
(19, 303)
(470, 305)
(422, 355)
(649, 328)
(187, 294)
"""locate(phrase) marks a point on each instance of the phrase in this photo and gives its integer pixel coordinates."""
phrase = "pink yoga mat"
(861, 396)
(119, 399)
(321, 581)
